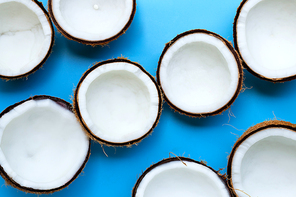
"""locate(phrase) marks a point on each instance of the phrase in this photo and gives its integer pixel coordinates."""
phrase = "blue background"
(209, 139)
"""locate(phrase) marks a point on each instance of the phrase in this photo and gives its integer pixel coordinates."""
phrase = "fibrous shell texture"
(43, 148)
(200, 73)
(264, 35)
(262, 162)
(92, 22)
(26, 37)
(174, 177)
(118, 102)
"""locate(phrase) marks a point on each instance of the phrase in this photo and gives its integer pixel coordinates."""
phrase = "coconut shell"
(79, 117)
(89, 42)
(251, 131)
(10, 181)
(236, 56)
(181, 159)
(274, 80)
(48, 52)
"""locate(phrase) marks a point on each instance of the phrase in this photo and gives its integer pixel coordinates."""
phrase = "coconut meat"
(266, 37)
(25, 36)
(92, 20)
(174, 179)
(264, 164)
(42, 145)
(118, 102)
(199, 74)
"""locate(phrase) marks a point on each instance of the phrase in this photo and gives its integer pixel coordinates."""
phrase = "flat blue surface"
(210, 139)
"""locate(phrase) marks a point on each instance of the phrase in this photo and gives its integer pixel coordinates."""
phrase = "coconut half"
(264, 35)
(92, 22)
(175, 177)
(200, 73)
(43, 148)
(262, 162)
(26, 37)
(118, 102)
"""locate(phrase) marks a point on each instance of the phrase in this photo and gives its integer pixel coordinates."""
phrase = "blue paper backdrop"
(210, 139)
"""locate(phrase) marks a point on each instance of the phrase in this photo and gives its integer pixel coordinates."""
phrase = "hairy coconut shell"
(251, 131)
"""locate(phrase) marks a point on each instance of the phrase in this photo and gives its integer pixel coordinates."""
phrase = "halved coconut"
(175, 177)
(264, 35)
(200, 73)
(262, 162)
(43, 148)
(26, 37)
(92, 22)
(118, 102)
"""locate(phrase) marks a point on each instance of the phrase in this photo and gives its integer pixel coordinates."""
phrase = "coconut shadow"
(10, 191)
(267, 88)
(34, 80)
(98, 150)
(219, 119)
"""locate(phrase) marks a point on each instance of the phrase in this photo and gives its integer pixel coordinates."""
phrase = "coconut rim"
(33, 70)
(16, 185)
(236, 57)
(88, 42)
(180, 159)
(81, 120)
(274, 80)
(251, 131)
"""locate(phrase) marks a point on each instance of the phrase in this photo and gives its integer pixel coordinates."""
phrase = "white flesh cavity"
(92, 20)
(25, 36)
(118, 102)
(199, 74)
(174, 179)
(42, 144)
(266, 37)
(264, 164)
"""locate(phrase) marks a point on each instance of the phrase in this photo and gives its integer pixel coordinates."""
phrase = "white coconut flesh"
(25, 36)
(42, 145)
(199, 74)
(264, 164)
(266, 37)
(92, 20)
(118, 102)
(174, 179)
